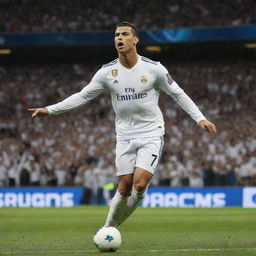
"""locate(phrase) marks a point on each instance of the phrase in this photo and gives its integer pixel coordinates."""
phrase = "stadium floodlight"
(5, 51)
(153, 48)
(250, 45)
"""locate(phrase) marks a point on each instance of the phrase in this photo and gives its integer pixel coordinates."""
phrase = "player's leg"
(119, 201)
(125, 162)
(148, 155)
(141, 181)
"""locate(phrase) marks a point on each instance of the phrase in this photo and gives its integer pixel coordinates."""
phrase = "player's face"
(125, 40)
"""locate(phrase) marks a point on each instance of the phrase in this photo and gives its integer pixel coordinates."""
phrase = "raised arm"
(170, 87)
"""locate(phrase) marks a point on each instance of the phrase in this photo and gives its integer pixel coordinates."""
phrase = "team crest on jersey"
(114, 72)
(143, 79)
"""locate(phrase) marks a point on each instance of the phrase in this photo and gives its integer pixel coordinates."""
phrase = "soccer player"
(134, 83)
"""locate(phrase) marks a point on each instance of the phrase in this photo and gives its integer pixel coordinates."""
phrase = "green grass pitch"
(149, 231)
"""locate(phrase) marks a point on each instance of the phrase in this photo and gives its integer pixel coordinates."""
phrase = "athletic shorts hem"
(152, 171)
(120, 173)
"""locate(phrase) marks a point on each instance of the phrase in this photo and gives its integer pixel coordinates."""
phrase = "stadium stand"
(79, 15)
(68, 149)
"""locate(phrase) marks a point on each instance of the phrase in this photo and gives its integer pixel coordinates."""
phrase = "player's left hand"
(209, 127)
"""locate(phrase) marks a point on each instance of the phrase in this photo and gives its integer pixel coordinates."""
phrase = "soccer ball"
(107, 239)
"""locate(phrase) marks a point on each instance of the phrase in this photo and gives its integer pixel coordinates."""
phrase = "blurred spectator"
(24, 178)
(78, 148)
(231, 175)
(208, 174)
(79, 15)
(3, 174)
(195, 180)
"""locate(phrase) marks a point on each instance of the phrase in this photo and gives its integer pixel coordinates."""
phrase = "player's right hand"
(38, 111)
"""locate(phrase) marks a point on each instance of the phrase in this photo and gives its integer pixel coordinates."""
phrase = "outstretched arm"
(209, 127)
(38, 111)
(94, 88)
(170, 87)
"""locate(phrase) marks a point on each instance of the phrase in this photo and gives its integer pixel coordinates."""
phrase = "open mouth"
(120, 44)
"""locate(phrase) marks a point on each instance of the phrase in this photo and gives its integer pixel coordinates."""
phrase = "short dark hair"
(128, 24)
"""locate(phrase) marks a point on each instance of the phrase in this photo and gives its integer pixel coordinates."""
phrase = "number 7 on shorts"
(155, 157)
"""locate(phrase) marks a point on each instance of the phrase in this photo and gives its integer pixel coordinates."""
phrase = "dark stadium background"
(64, 149)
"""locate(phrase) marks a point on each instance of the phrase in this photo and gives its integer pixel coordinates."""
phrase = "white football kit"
(134, 93)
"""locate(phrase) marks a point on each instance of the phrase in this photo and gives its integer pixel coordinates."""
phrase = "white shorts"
(143, 153)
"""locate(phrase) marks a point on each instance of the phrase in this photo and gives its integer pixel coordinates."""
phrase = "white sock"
(132, 203)
(116, 208)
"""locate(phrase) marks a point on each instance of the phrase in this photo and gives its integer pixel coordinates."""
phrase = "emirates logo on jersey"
(114, 72)
(143, 79)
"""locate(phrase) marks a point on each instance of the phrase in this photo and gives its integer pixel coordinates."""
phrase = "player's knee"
(140, 186)
(125, 185)
(124, 191)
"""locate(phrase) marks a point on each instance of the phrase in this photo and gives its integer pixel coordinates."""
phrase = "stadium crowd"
(79, 15)
(78, 147)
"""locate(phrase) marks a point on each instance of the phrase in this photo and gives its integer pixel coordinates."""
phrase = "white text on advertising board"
(36, 200)
(185, 200)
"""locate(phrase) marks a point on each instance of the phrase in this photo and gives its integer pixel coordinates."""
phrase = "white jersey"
(134, 93)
